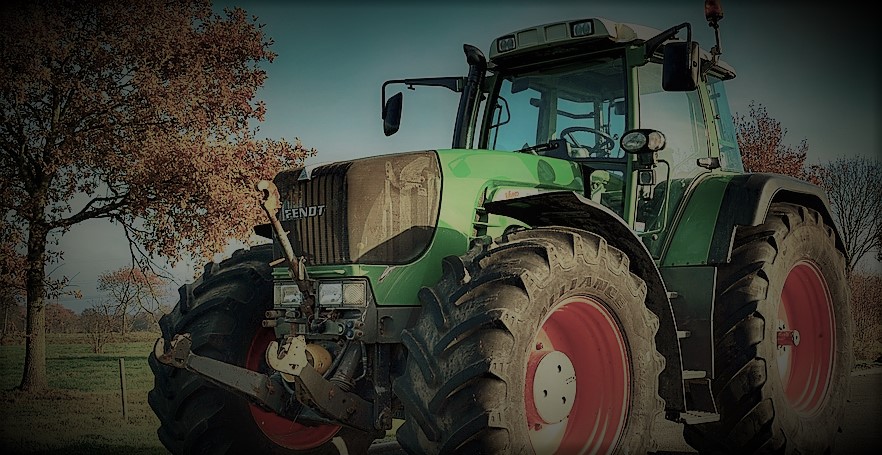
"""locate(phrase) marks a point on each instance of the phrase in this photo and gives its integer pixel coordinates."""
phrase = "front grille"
(378, 210)
(320, 235)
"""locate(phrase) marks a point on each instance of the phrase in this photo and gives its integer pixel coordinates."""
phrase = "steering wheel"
(605, 142)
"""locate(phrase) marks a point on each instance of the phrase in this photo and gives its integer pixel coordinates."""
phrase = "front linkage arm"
(273, 392)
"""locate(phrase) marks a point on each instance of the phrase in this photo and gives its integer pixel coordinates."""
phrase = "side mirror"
(392, 114)
(681, 65)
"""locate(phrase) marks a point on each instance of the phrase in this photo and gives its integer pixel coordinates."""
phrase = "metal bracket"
(259, 388)
(288, 360)
(700, 404)
(310, 387)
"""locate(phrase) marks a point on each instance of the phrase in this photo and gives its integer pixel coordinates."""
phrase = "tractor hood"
(376, 210)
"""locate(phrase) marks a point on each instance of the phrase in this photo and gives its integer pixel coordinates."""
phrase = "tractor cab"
(573, 90)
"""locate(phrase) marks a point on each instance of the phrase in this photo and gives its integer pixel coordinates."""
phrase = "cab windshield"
(569, 112)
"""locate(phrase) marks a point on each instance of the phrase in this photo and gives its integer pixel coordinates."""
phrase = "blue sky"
(814, 67)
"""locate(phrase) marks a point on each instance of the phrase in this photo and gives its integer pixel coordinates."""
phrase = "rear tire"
(540, 342)
(785, 275)
(222, 312)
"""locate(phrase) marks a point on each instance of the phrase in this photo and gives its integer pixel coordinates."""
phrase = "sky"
(815, 68)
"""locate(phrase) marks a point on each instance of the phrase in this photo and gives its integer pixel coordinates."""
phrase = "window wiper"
(553, 144)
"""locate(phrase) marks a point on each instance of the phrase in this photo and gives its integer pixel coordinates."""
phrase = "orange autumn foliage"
(142, 113)
(761, 140)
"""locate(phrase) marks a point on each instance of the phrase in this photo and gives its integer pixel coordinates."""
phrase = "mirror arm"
(454, 84)
(652, 44)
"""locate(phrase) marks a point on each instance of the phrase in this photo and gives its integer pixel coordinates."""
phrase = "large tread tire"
(222, 311)
(756, 414)
(463, 388)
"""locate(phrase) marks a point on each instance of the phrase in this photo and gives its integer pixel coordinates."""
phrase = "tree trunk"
(5, 319)
(34, 377)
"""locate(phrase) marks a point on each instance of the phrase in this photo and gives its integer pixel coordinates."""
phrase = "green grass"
(82, 411)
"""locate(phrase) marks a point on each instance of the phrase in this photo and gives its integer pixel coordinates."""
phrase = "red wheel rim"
(805, 367)
(584, 331)
(284, 432)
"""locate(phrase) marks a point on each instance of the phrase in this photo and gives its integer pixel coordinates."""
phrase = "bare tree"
(866, 307)
(879, 242)
(854, 186)
(98, 321)
(13, 319)
(59, 318)
(133, 290)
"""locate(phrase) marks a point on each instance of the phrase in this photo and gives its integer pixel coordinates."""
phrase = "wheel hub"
(554, 386)
(578, 339)
(788, 338)
(805, 362)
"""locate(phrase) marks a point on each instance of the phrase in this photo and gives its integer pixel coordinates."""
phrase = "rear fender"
(566, 208)
(747, 200)
(701, 240)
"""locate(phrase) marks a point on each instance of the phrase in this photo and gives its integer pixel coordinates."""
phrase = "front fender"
(566, 208)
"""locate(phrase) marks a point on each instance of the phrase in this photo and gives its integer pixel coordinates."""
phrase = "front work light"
(330, 294)
(287, 295)
(642, 141)
(506, 43)
(346, 293)
(354, 294)
(583, 28)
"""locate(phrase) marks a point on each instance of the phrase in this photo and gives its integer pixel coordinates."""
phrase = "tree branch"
(87, 213)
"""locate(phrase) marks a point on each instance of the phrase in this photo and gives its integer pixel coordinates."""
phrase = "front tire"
(538, 343)
(222, 311)
(782, 329)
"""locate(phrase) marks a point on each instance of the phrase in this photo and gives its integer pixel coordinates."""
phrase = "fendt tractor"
(587, 258)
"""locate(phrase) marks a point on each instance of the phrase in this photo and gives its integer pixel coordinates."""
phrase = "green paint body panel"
(468, 178)
(690, 235)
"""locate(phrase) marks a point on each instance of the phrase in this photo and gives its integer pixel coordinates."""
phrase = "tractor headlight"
(287, 295)
(642, 141)
(633, 141)
(354, 294)
(330, 294)
(342, 293)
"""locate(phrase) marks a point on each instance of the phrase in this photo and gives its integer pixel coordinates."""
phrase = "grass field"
(82, 413)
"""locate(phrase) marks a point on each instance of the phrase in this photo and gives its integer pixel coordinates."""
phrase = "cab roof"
(589, 33)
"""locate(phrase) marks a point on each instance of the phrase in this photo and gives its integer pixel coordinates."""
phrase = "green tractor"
(588, 257)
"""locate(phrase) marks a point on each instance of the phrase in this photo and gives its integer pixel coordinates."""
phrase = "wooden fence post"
(122, 384)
